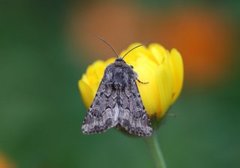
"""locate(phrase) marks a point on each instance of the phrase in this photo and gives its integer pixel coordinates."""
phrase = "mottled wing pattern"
(133, 117)
(118, 103)
(102, 114)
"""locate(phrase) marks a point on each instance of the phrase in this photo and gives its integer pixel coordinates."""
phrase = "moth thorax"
(118, 85)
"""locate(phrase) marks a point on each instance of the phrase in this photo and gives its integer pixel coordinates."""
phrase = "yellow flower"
(163, 70)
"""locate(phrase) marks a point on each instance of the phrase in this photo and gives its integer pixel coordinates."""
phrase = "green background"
(41, 111)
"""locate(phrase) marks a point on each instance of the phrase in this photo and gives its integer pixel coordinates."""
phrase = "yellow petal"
(135, 53)
(165, 85)
(158, 52)
(146, 70)
(86, 93)
(95, 71)
(177, 66)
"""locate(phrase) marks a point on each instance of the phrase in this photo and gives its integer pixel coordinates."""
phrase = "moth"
(117, 102)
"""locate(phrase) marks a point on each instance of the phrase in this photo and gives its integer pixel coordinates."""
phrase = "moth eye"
(131, 66)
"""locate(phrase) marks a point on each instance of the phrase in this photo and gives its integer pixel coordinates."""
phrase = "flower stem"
(155, 150)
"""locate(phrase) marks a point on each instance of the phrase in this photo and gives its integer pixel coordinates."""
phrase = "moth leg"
(142, 82)
(136, 77)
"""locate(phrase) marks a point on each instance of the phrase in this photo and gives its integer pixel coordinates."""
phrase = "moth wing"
(133, 117)
(101, 114)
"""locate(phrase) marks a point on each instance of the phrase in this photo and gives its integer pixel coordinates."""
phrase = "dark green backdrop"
(41, 110)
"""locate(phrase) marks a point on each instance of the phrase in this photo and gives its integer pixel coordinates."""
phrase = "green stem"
(155, 150)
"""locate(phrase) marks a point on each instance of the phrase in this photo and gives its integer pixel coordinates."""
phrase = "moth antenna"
(108, 44)
(140, 45)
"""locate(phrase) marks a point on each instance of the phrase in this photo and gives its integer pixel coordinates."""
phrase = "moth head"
(119, 61)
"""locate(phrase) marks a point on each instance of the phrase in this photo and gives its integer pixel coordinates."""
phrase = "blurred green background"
(45, 48)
